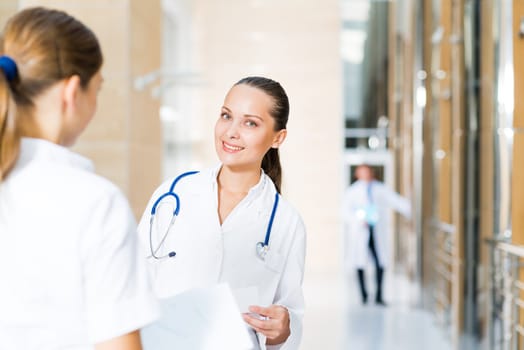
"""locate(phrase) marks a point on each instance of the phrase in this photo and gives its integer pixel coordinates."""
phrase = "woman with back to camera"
(69, 266)
(233, 225)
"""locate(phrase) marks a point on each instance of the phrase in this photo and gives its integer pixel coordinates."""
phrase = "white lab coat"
(208, 253)
(69, 265)
(356, 197)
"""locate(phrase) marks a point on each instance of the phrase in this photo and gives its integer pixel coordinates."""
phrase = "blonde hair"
(47, 46)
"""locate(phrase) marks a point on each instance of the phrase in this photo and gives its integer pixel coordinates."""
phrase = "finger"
(260, 310)
(255, 316)
(257, 324)
(268, 333)
(273, 311)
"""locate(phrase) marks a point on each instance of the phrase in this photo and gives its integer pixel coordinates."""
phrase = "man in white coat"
(366, 211)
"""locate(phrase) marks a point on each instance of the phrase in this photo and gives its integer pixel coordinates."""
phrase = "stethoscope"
(261, 247)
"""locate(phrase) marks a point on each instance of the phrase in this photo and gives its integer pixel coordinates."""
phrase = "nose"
(232, 130)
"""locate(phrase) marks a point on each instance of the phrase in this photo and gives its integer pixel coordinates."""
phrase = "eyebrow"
(245, 115)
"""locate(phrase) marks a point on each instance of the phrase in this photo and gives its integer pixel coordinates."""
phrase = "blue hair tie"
(8, 65)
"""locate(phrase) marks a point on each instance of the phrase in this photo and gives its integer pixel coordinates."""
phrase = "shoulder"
(80, 193)
(186, 181)
(379, 184)
(289, 209)
(285, 209)
(291, 216)
(382, 187)
(72, 181)
(354, 187)
(98, 190)
(192, 181)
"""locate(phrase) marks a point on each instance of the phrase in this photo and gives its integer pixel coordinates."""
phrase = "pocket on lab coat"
(275, 261)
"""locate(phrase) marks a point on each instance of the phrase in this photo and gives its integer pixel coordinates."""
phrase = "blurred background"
(425, 91)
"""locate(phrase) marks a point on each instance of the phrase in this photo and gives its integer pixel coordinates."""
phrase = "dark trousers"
(379, 272)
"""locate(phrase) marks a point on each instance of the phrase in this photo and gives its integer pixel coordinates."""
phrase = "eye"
(251, 124)
(225, 116)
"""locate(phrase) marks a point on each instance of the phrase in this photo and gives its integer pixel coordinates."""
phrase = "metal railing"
(506, 331)
(444, 272)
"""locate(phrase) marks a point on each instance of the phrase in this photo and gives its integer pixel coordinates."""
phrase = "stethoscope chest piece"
(263, 247)
(262, 250)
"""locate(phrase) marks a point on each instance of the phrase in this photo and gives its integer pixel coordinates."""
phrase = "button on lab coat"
(69, 261)
(356, 199)
(208, 253)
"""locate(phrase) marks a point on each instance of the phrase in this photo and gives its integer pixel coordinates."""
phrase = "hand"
(275, 327)
(129, 341)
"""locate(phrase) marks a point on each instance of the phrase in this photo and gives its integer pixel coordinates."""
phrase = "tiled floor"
(336, 320)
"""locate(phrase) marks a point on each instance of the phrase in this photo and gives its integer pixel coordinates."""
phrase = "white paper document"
(245, 297)
(199, 319)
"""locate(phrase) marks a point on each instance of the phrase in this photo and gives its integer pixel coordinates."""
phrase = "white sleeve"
(289, 291)
(398, 203)
(118, 296)
(143, 231)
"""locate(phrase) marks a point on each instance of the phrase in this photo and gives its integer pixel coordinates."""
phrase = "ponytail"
(9, 135)
(271, 166)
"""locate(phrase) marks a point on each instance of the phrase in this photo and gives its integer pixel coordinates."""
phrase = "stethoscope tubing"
(154, 251)
(171, 193)
(272, 217)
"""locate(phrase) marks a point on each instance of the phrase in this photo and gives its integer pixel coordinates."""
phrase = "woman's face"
(244, 132)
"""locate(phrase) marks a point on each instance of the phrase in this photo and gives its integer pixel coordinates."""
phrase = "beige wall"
(7, 8)
(124, 138)
(295, 43)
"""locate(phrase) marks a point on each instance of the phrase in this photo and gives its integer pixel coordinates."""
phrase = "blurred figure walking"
(366, 217)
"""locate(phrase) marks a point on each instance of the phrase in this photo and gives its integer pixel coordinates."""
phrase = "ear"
(70, 93)
(279, 138)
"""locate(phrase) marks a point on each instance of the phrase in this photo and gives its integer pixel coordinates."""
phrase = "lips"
(231, 148)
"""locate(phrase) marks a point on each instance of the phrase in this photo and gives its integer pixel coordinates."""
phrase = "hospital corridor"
(401, 325)
(399, 191)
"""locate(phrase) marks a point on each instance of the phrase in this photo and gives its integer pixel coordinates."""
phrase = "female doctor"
(69, 265)
(233, 224)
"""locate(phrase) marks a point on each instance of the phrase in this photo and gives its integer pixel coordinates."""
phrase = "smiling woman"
(246, 130)
(233, 226)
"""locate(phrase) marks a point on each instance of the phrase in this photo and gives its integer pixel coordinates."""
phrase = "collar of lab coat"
(32, 149)
(254, 192)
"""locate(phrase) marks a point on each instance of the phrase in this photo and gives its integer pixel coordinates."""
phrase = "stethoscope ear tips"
(171, 254)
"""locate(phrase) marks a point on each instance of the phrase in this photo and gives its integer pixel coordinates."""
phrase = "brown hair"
(47, 46)
(280, 113)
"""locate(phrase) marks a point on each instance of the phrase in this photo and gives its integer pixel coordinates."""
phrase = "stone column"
(124, 138)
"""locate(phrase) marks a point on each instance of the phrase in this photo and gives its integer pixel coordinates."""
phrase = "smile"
(230, 148)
